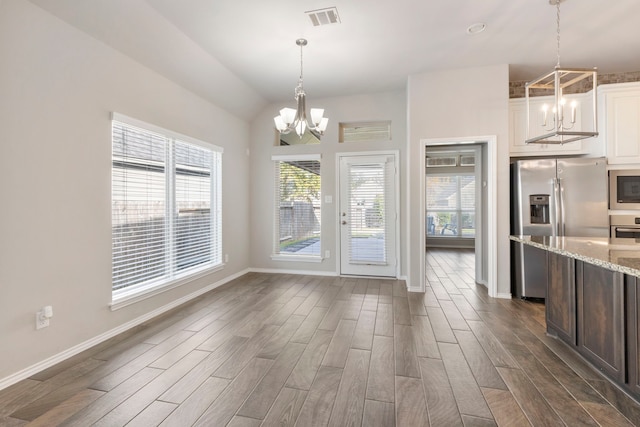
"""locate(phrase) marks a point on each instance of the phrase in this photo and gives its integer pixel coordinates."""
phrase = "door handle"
(627, 230)
(344, 222)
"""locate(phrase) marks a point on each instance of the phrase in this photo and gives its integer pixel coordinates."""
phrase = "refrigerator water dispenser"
(539, 205)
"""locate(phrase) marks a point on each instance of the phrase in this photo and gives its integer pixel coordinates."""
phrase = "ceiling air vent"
(323, 16)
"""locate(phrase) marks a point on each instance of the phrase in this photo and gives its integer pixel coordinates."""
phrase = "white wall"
(57, 89)
(381, 106)
(457, 104)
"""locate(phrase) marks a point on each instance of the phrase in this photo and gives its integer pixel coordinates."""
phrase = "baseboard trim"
(504, 295)
(57, 358)
(287, 271)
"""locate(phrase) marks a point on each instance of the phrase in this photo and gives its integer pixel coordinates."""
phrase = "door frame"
(490, 235)
(476, 149)
(396, 222)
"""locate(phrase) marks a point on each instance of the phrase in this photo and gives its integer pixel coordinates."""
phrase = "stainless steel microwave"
(624, 189)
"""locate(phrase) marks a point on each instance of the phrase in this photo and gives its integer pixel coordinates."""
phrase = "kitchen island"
(593, 301)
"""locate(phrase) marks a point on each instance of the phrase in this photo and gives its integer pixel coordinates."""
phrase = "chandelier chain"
(558, 31)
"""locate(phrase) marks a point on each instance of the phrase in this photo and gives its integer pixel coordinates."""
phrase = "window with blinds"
(451, 205)
(166, 206)
(298, 206)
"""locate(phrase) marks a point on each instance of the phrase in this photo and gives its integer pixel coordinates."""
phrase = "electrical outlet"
(42, 321)
(327, 254)
(42, 317)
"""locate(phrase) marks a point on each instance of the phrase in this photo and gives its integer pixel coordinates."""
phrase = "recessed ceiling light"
(476, 28)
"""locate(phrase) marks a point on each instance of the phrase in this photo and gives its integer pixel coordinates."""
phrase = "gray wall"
(58, 87)
(458, 104)
(381, 106)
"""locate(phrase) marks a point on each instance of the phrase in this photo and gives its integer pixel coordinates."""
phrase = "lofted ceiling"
(241, 54)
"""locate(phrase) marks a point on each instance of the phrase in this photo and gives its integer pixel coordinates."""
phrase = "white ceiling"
(241, 54)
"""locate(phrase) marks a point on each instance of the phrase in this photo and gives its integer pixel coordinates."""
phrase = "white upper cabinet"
(518, 127)
(622, 122)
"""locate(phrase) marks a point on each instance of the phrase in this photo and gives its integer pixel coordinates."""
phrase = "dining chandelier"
(562, 122)
(290, 119)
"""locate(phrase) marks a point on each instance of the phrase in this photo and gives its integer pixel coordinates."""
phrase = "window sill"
(125, 297)
(296, 258)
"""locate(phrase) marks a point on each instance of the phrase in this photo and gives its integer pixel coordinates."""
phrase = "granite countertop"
(615, 254)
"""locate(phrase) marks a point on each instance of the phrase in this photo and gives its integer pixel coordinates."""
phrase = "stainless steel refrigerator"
(554, 197)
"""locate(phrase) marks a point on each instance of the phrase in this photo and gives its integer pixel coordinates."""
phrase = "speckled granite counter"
(621, 255)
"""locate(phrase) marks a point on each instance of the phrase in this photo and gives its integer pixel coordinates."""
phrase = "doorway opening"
(458, 203)
(453, 196)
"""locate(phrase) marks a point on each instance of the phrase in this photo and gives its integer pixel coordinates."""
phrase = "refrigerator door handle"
(561, 219)
(555, 209)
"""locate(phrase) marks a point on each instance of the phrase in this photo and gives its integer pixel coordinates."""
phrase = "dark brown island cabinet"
(596, 311)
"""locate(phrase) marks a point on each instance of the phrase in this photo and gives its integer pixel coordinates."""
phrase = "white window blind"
(369, 185)
(298, 206)
(165, 207)
(451, 205)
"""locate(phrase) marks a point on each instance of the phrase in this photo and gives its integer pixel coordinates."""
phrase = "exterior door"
(368, 215)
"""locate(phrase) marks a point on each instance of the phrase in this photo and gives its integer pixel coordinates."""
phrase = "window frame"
(344, 136)
(277, 255)
(136, 292)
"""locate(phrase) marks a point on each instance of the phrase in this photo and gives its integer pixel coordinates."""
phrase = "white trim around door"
(367, 214)
(490, 256)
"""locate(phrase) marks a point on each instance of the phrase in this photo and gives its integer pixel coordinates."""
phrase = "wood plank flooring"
(285, 350)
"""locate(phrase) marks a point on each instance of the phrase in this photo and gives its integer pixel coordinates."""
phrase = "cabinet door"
(623, 125)
(633, 333)
(561, 298)
(601, 318)
(518, 129)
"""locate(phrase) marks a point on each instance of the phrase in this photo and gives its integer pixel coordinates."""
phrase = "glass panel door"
(368, 215)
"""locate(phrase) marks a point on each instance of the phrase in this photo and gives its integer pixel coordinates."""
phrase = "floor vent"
(324, 16)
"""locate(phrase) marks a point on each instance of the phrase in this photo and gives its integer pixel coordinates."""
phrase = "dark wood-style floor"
(271, 349)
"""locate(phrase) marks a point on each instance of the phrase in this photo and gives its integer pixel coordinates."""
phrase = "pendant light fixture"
(560, 121)
(290, 119)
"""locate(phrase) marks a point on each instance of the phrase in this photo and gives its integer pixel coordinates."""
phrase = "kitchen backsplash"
(516, 89)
